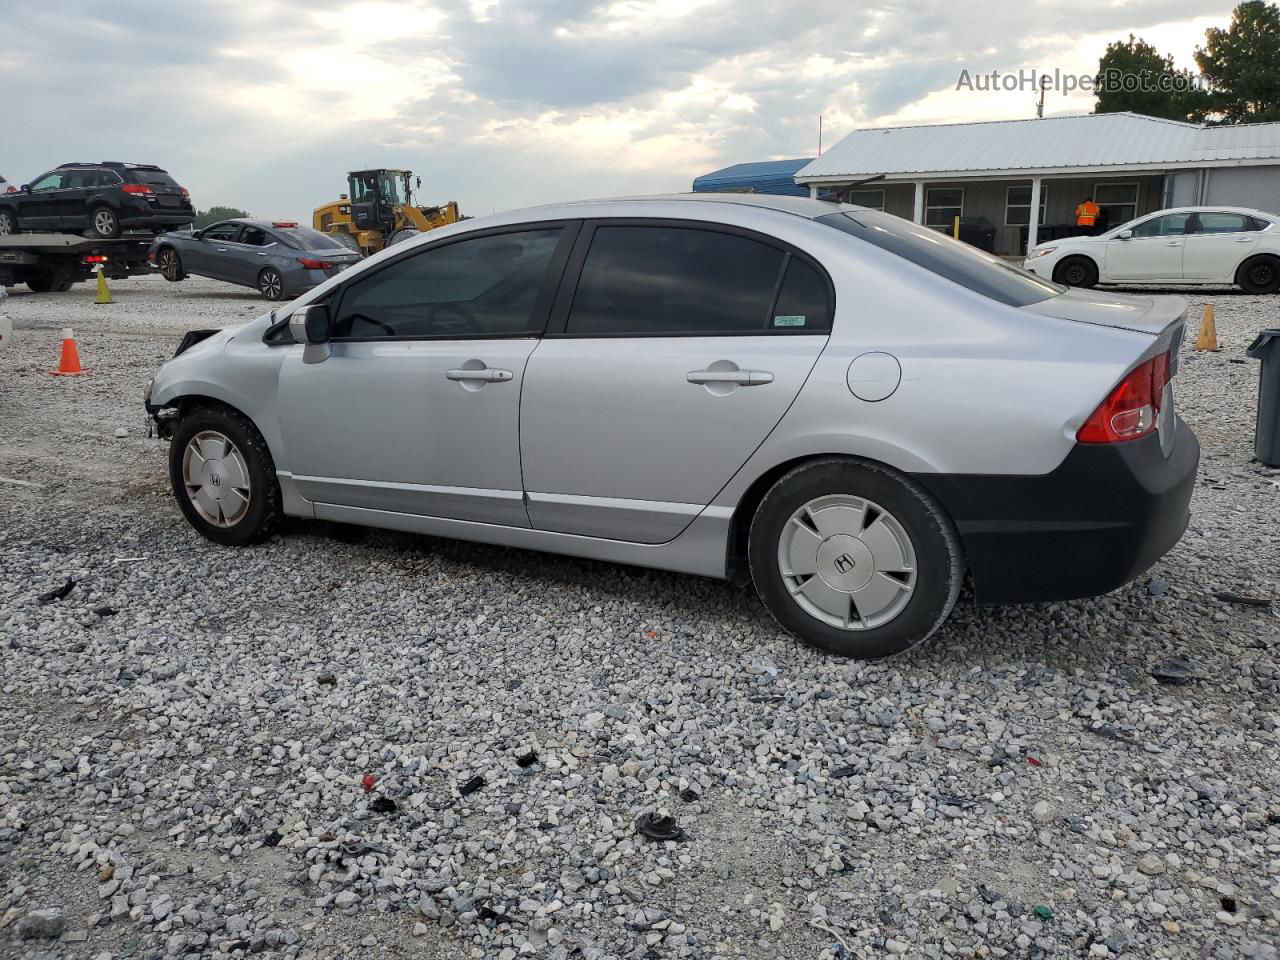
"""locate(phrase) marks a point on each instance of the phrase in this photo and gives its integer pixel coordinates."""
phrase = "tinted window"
(221, 231)
(1225, 223)
(803, 304)
(672, 280)
(1174, 225)
(482, 287)
(154, 178)
(303, 238)
(958, 262)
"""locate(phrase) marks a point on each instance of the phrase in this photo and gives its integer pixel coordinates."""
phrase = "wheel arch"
(1077, 255)
(736, 569)
(1253, 258)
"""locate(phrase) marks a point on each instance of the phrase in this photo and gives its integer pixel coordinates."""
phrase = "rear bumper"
(1102, 518)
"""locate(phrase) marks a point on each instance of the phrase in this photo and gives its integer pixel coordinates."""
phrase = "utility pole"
(1040, 99)
(819, 134)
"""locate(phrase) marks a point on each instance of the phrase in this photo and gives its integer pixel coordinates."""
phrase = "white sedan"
(1186, 245)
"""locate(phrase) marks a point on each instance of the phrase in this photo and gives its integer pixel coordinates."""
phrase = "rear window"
(153, 178)
(304, 238)
(958, 262)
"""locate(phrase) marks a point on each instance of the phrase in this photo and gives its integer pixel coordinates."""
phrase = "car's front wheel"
(854, 558)
(1259, 275)
(223, 476)
(170, 265)
(104, 223)
(1076, 272)
(271, 284)
(8, 223)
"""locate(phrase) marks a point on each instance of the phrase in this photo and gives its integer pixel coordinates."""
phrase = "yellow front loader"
(378, 211)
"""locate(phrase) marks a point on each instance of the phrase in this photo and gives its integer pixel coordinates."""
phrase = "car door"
(416, 408)
(1152, 250)
(37, 208)
(70, 207)
(209, 255)
(247, 254)
(1220, 243)
(679, 350)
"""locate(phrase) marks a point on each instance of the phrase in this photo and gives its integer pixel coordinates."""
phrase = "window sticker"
(789, 320)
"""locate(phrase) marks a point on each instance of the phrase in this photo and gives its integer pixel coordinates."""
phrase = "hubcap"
(5, 228)
(216, 478)
(1262, 274)
(847, 562)
(104, 221)
(168, 264)
(270, 285)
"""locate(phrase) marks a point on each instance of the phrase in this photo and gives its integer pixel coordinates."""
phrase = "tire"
(271, 284)
(1259, 275)
(104, 223)
(8, 223)
(170, 264)
(42, 282)
(1076, 272)
(404, 233)
(888, 563)
(241, 497)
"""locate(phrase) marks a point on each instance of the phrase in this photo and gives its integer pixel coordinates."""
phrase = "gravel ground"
(186, 736)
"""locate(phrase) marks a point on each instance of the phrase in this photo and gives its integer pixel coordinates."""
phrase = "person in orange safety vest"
(1087, 213)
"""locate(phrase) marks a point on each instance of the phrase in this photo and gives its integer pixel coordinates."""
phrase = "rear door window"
(951, 259)
(1225, 223)
(665, 280)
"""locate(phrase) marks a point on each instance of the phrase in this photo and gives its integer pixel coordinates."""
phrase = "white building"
(1025, 177)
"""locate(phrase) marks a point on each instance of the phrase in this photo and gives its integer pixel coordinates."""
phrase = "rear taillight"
(314, 264)
(186, 194)
(138, 189)
(1132, 408)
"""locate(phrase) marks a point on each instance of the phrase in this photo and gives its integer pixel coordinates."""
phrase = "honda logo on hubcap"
(844, 563)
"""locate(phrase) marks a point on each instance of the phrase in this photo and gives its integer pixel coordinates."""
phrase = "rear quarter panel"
(985, 389)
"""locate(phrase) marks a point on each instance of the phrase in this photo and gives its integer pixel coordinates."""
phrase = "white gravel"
(183, 777)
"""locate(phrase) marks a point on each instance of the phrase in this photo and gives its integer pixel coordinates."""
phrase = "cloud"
(501, 103)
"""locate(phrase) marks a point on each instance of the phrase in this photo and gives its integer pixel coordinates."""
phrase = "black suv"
(97, 199)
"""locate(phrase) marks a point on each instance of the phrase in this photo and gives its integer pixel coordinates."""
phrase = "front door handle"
(1244, 240)
(743, 378)
(1174, 243)
(483, 374)
(221, 249)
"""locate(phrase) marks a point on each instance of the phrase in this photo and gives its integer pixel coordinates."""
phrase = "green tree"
(214, 214)
(1134, 76)
(1242, 65)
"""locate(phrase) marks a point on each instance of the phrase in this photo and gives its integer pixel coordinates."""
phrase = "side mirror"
(310, 324)
(25, 188)
(197, 234)
(1125, 235)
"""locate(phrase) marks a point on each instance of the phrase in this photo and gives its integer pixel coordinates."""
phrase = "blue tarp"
(769, 176)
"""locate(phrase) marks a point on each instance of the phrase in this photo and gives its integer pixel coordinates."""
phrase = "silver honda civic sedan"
(848, 409)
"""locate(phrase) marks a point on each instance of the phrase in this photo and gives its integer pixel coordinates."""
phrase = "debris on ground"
(57, 593)
(659, 828)
(1174, 671)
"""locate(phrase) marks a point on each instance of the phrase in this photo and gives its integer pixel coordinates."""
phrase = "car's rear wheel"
(104, 223)
(271, 284)
(170, 265)
(853, 558)
(223, 477)
(1076, 272)
(8, 223)
(50, 281)
(1259, 275)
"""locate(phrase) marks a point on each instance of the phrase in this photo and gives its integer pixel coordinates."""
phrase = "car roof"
(806, 207)
(1216, 208)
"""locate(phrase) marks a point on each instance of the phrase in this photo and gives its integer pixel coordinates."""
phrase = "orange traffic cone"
(1208, 336)
(70, 363)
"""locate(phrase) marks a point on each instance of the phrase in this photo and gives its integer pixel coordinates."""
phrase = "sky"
(498, 104)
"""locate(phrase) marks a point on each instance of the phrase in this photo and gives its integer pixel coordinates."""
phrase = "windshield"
(304, 238)
(958, 262)
(384, 185)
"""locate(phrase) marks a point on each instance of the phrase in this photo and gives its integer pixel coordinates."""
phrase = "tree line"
(1239, 79)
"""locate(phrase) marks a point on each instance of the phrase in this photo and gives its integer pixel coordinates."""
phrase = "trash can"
(1266, 436)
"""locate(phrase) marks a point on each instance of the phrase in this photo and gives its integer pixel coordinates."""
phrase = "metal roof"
(1091, 141)
(767, 176)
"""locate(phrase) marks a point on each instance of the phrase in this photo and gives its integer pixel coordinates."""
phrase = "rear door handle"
(221, 249)
(743, 378)
(1244, 239)
(1174, 243)
(484, 374)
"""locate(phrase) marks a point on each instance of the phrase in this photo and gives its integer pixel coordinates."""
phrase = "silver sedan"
(845, 408)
